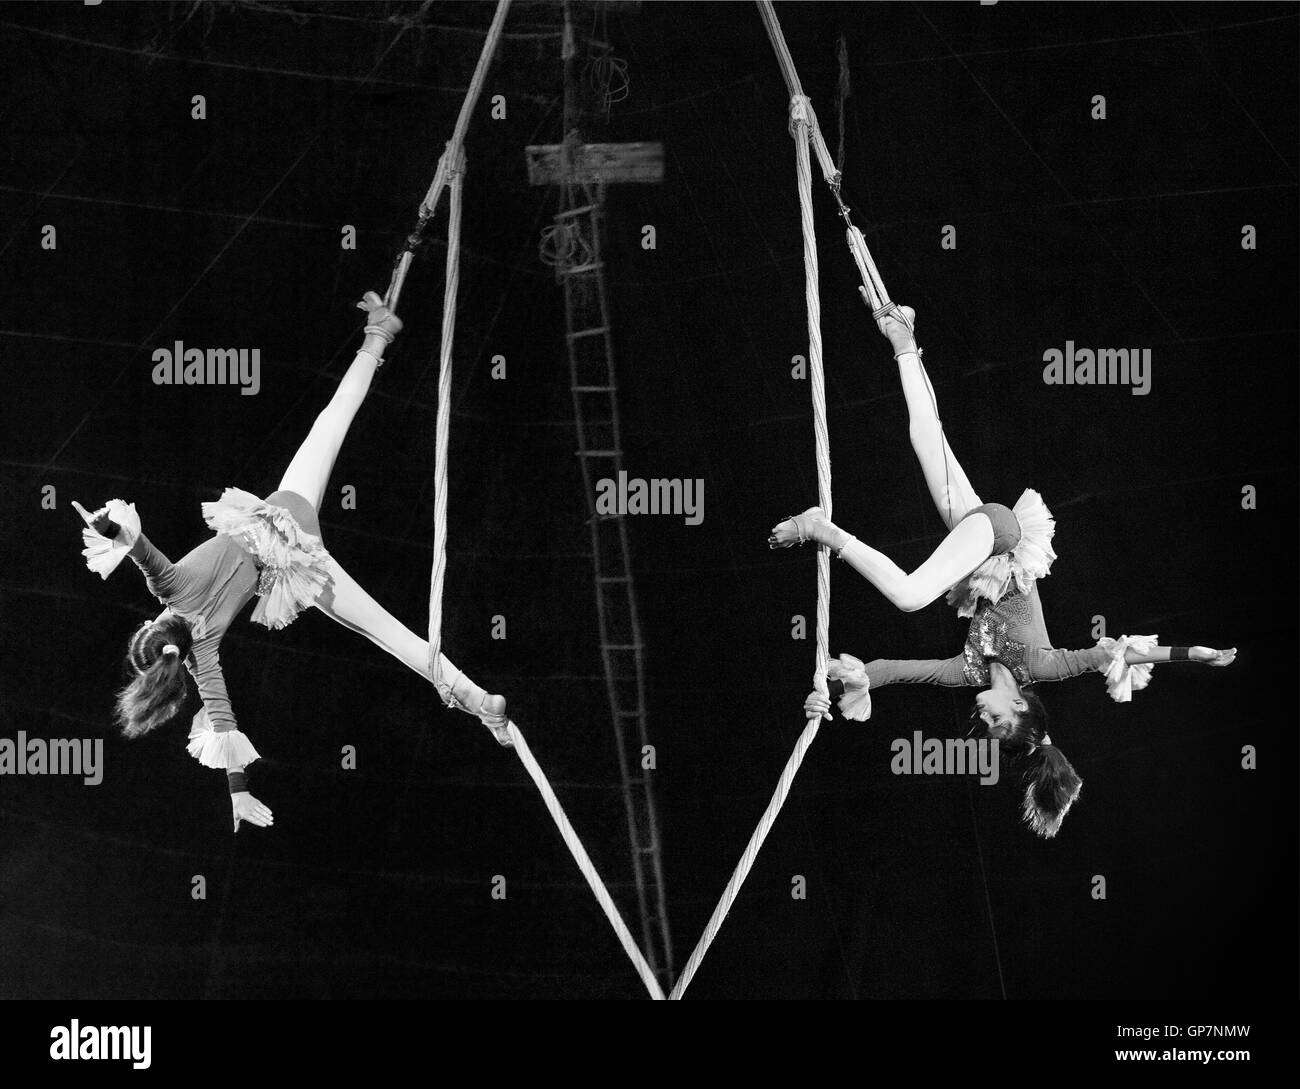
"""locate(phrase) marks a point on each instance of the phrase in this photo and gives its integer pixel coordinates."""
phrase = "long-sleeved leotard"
(1012, 632)
(208, 586)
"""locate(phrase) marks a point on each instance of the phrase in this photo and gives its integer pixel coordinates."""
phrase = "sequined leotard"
(1012, 632)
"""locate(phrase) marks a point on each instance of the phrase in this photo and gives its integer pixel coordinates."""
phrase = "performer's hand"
(817, 705)
(379, 319)
(248, 808)
(1213, 657)
(102, 523)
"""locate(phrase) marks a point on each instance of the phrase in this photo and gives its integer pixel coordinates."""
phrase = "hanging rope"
(584, 862)
(800, 127)
(873, 286)
(842, 92)
(804, 129)
(450, 175)
(454, 154)
(442, 432)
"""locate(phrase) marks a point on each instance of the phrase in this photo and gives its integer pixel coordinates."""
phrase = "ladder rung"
(594, 331)
(612, 578)
(574, 270)
(600, 454)
(592, 389)
(620, 646)
(575, 211)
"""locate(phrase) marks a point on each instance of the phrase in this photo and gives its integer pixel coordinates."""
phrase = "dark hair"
(157, 692)
(1052, 784)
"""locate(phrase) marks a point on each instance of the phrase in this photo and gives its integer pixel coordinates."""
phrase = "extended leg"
(963, 550)
(949, 488)
(310, 470)
(345, 601)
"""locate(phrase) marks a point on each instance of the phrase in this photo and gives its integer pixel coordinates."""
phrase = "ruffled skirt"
(293, 563)
(1031, 559)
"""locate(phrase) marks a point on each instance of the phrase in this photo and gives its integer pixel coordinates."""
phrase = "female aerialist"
(989, 563)
(269, 548)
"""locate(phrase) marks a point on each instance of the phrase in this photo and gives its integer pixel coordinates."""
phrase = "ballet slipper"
(805, 529)
(491, 710)
(492, 713)
(898, 323)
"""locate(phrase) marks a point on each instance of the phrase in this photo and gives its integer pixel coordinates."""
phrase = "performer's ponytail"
(1052, 784)
(156, 653)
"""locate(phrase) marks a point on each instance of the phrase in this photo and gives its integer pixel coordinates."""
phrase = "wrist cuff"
(1180, 654)
(237, 780)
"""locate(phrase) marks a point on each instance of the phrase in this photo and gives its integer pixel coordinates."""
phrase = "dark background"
(225, 232)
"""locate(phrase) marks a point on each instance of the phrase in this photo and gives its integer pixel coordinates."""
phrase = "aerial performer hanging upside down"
(267, 548)
(989, 565)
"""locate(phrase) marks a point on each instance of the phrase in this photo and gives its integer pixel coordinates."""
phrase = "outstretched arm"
(1126, 662)
(1204, 655)
(949, 487)
(159, 572)
(216, 740)
(860, 678)
(948, 672)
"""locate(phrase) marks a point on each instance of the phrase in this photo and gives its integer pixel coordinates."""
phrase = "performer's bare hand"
(1213, 657)
(101, 521)
(248, 808)
(817, 705)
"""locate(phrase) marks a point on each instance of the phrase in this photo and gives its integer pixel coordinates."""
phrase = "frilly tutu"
(219, 749)
(103, 554)
(856, 701)
(1122, 679)
(294, 562)
(1029, 561)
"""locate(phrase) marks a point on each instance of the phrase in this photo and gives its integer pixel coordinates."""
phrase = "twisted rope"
(584, 862)
(808, 141)
(453, 155)
(442, 432)
(801, 127)
(450, 175)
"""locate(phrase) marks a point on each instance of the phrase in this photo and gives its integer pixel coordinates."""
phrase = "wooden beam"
(611, 163)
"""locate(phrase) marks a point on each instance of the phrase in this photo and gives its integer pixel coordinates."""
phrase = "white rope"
(801, 125)
(807, 134)
(450, 175)
(430, 202)
(747, 859)
(584, 862)
(442, 432)
(453, 153)
(871, 281)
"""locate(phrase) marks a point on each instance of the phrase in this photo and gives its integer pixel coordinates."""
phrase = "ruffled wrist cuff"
(103, 554)
(1122, 679)
(225, 749)
(852, 673)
